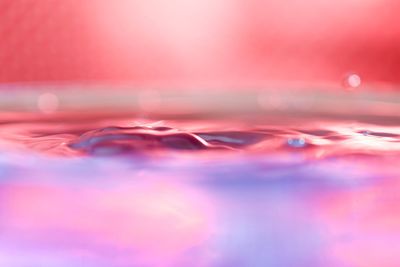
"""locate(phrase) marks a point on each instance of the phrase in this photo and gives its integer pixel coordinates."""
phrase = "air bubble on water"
(352, 81)
(297, 142)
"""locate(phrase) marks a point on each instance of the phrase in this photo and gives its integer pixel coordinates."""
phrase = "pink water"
(115, 190)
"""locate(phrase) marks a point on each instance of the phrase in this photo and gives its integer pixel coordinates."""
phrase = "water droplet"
(352, 81)
(297, 142)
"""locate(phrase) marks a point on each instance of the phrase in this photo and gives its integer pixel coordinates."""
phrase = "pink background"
(199, 42)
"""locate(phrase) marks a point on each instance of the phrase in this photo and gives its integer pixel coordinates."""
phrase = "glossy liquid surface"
(83, 189)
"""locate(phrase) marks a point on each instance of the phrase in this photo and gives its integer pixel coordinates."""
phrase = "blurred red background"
(199, 42)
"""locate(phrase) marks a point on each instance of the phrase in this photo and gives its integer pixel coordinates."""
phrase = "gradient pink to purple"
(203, 193)
(229, 43)
(96, 172)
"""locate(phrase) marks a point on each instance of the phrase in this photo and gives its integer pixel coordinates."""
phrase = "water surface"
(119, 190)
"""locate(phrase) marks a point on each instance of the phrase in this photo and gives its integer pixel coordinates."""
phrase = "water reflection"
(255, 201)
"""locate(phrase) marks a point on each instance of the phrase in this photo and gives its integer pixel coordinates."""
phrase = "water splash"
(97, 138)
(116, 140)
(112, 191)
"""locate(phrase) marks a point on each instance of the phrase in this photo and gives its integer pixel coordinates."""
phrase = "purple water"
(123, 189)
